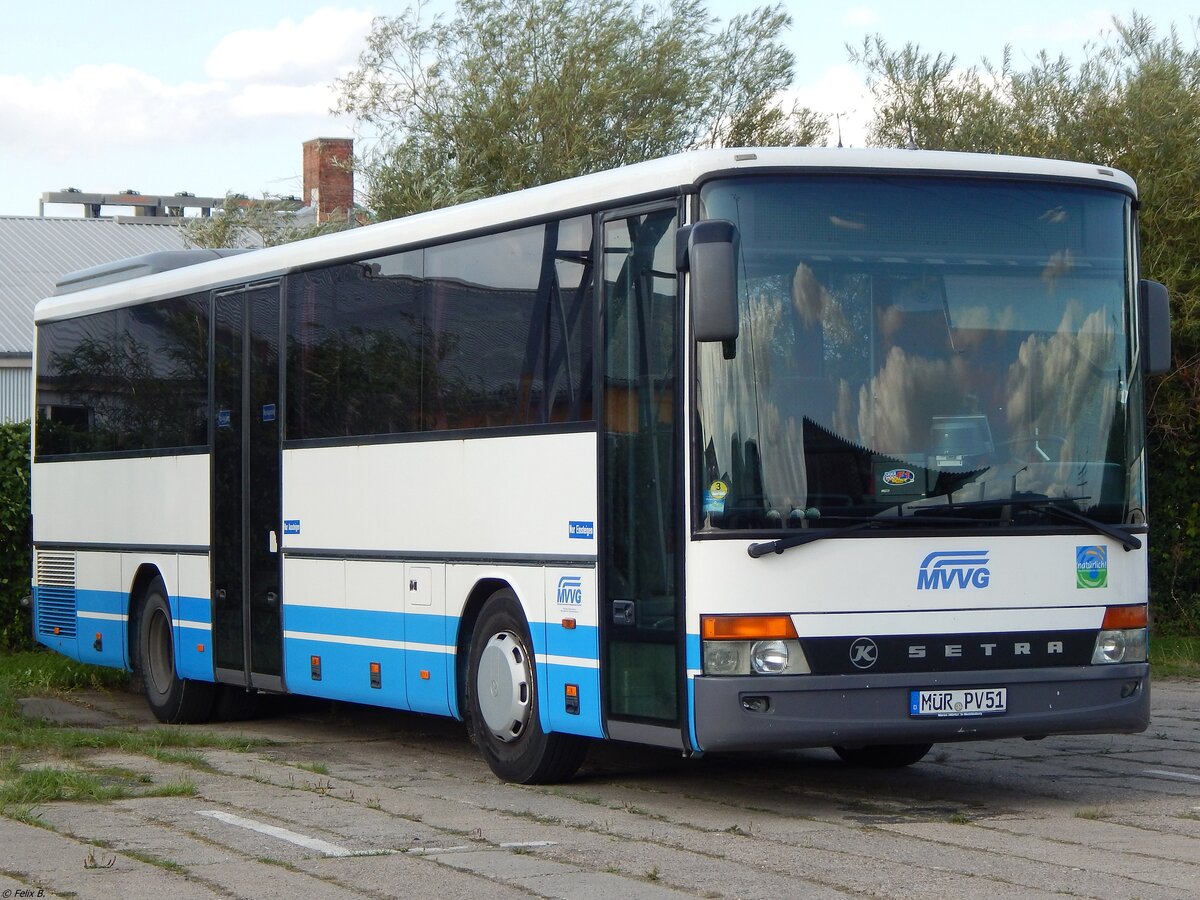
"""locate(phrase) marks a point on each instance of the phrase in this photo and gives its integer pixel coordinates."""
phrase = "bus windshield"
(928, 346)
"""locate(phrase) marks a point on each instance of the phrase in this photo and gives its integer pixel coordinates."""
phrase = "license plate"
(958, 702)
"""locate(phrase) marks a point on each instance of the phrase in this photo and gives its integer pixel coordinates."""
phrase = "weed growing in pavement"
(151, 859)
(60, 753)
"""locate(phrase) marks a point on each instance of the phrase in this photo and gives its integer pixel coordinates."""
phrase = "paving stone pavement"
(353, 802)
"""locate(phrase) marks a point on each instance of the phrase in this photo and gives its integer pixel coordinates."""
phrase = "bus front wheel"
(502, 701)
(883, 756)
(172, 699)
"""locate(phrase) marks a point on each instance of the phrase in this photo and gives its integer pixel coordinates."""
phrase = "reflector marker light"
(747, 628)
(1121, 617)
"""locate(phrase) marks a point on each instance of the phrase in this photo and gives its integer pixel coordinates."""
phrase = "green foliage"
(15, 535)
(1134, 104)
(246, 223)
(35, 672)
(1176, 656)
(508, 94)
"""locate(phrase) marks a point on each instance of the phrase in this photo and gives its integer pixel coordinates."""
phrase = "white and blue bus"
(736, 449)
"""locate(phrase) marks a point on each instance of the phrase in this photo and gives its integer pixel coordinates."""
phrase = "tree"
(1134, 104)
(509, 94)
(15, 535)
(242, 222)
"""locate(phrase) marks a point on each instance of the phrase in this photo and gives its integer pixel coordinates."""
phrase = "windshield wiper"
(1127, 540)
(921, 515)
(804, 537)
(1047, 505)
(816, 534)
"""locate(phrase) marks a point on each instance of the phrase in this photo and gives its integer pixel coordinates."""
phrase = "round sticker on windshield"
(714, 498)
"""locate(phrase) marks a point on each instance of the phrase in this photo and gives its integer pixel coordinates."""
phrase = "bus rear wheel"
(502, 701)
(172, 699)
(883, 756)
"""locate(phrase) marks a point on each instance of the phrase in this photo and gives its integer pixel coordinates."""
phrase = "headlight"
(726, 658)
(1120, 645)
(769, 657)
(751, 644)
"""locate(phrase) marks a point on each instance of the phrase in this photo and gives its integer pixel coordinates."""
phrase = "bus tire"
(172, 699)
(883, 756)
(502, 701)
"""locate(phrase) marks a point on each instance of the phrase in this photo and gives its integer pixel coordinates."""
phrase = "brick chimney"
(328, 177)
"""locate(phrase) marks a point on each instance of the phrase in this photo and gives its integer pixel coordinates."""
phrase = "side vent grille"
(56, 593)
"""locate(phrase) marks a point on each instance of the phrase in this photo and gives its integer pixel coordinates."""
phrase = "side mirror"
(1154, 318)
(708, 251)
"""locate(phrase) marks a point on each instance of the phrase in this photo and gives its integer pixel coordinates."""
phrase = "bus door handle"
(623, 612)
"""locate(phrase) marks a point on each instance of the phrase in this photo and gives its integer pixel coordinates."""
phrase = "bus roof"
(661, 177)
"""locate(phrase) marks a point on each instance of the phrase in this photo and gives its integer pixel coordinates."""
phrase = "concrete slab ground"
(353, 802)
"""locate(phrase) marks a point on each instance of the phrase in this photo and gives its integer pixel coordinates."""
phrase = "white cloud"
(839, 91)
(321, 46)
(860, 17)
(257, 78)
(101, 105)
(258, 100)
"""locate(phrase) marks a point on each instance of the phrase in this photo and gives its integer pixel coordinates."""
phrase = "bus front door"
(246, 515)
(639, 496)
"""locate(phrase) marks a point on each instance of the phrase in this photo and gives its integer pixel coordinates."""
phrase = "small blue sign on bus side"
(291, 526)
(581, 531)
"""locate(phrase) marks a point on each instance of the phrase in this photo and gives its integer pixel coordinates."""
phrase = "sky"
(216, 96)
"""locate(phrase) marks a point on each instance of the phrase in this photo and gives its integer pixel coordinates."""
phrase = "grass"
(151, 859)
(60, 753)
(1173, 656)
(42, 673)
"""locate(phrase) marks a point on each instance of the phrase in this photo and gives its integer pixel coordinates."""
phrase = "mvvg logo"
(946, 569)
(570, 590)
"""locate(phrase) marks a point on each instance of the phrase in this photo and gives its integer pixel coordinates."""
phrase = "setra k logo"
(863, 653)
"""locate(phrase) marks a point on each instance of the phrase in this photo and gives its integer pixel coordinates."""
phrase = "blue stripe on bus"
(192, 609)
(360, 623)
(694, 664)
(554, 678)
(345, 672)
(421, 678)
(582, 641)
(102, 639)
(420, 671)
(193, 645)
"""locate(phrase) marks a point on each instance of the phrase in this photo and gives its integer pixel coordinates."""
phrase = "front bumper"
(853, 710)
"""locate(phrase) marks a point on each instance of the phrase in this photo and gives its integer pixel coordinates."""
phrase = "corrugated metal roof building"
(34, 253)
